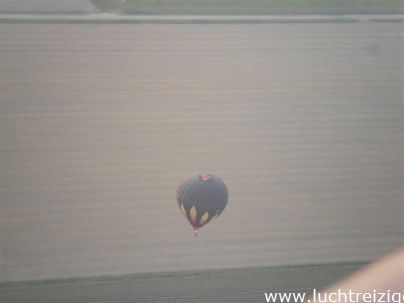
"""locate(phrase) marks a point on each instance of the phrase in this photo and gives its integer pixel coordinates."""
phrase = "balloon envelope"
(201, 198)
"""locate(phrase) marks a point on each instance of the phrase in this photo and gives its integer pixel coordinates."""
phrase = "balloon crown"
(205, 177)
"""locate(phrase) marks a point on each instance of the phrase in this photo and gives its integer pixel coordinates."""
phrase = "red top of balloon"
(205, 177)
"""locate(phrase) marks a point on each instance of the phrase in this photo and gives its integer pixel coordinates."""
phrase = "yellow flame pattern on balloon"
(183, 210)
(193, 214)
(204, 218)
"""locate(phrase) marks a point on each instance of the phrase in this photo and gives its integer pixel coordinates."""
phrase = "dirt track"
(99, 122)
(218, 286)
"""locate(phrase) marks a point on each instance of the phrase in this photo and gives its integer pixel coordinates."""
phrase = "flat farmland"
(99, 123)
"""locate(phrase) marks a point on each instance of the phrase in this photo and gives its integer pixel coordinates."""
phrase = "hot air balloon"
(201, 198)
